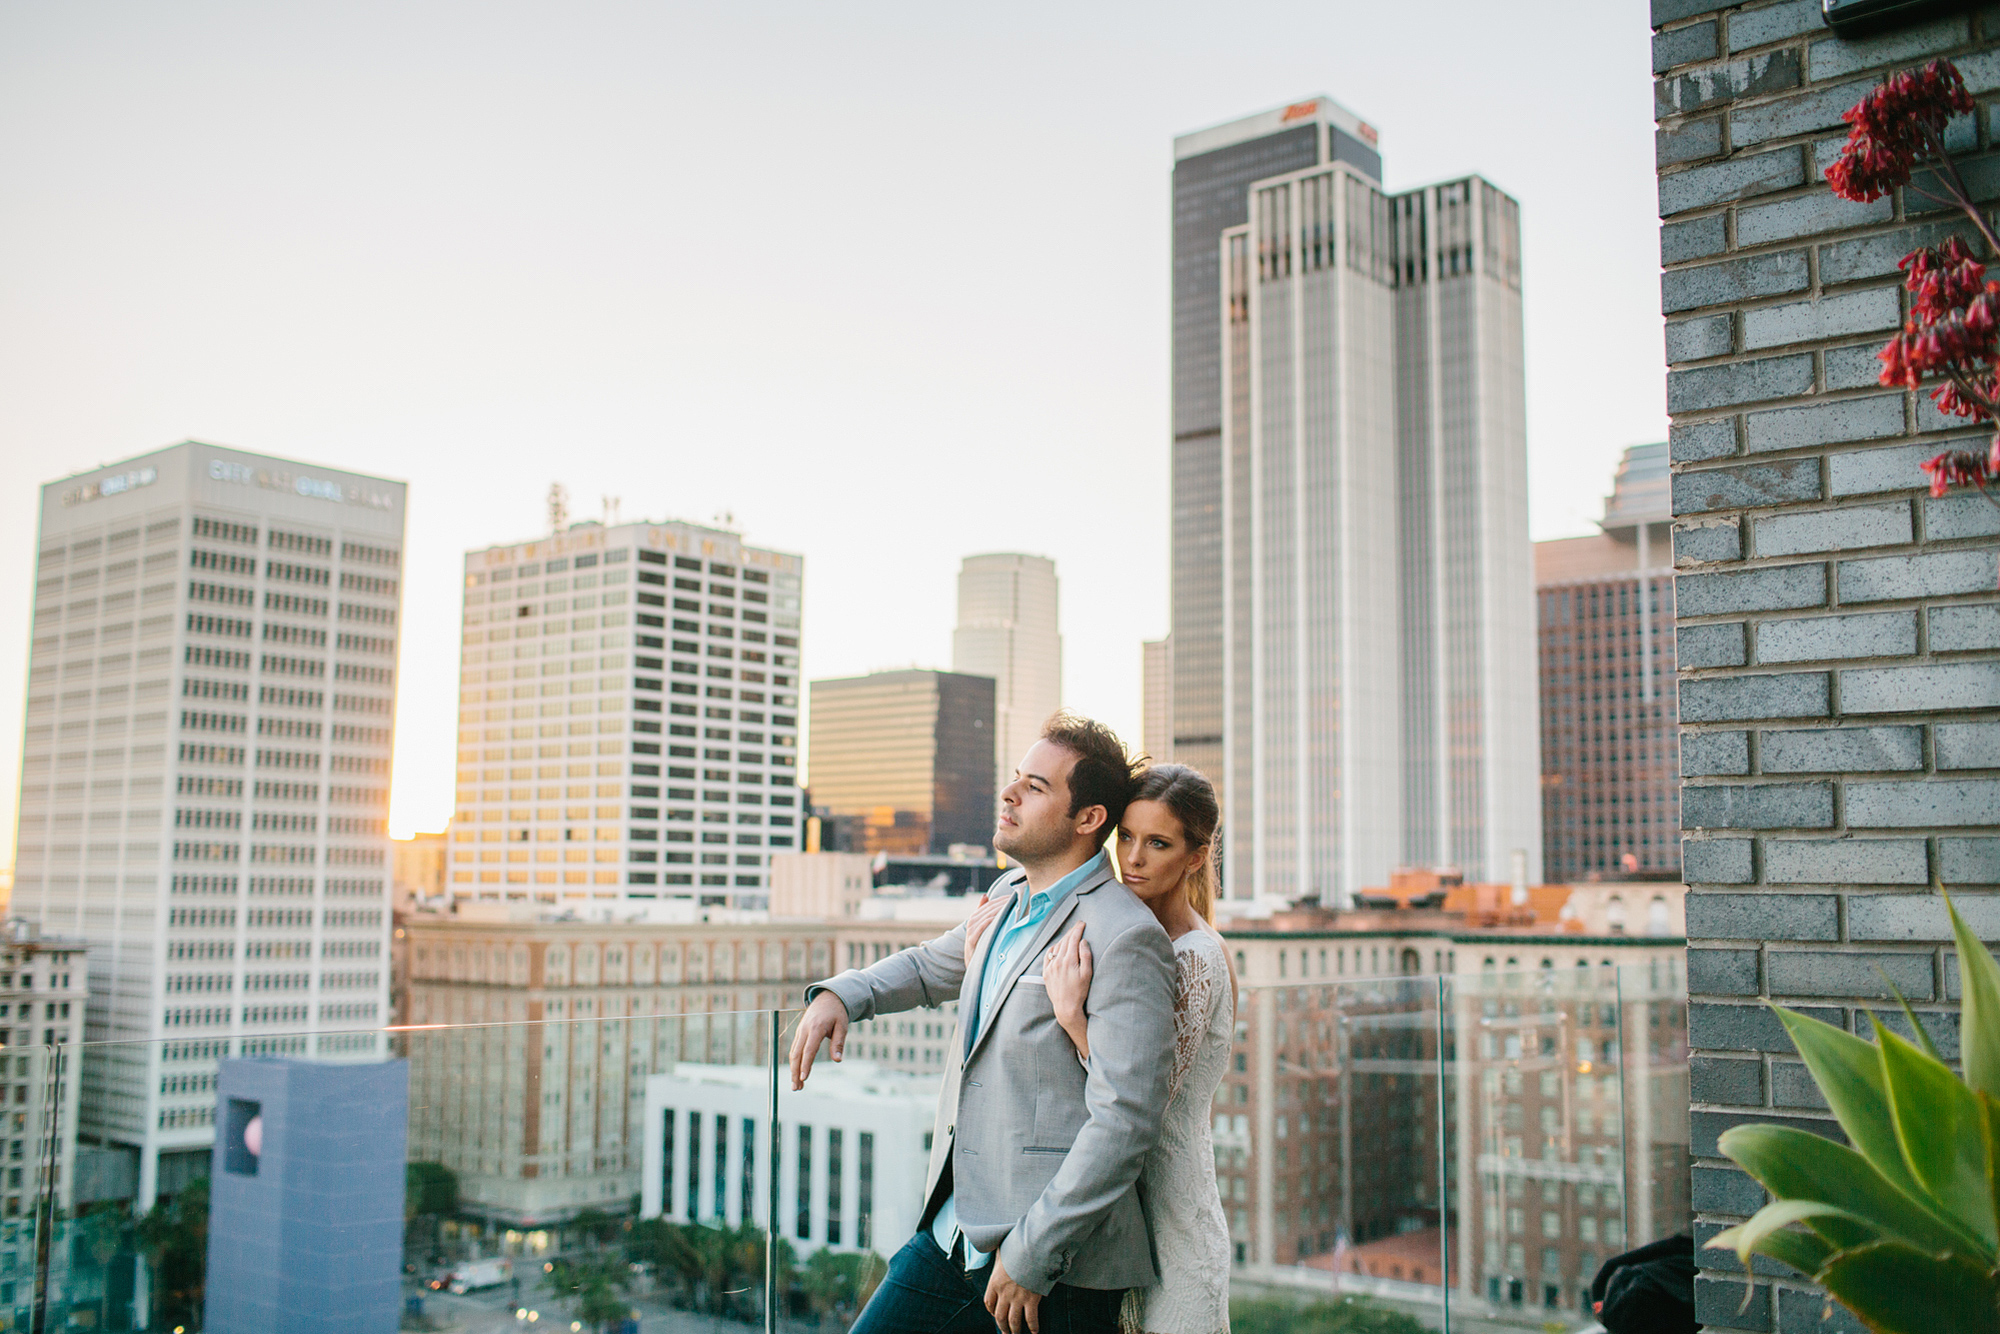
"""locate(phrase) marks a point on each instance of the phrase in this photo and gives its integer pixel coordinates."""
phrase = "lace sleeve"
(1199, 978)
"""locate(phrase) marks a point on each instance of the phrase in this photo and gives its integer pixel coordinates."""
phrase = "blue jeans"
(926, 1293)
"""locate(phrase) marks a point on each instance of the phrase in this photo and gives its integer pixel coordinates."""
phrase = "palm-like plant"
(1902, 1224)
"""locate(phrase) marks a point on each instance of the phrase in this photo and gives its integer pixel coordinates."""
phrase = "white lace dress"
(1189, 1228)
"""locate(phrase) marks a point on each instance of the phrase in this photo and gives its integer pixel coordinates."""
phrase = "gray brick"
(1871, 471)
(1817, 110)
(1834, 59)
(1690, 141)
(1804, 1311)
(1712, 1124)
(1684, 46)
(1811, 321)
(1826, 973)
(1982, 182)
(1733, 280)
(1726, 1190)
(1720, 645)
(1726, 1079)
(1703, 387)
(1693, 340)
(1850, 529)
(1970, 861)
(1982, 69)
(1931, 419)
(1924, 804)
(1699, 441)
(1666, 11)
(1768, 588)
(1846, 861)
(1697, 238)
(1934, 574)
(1748, 487)
(1722, 1027)
(1773, 24)
(1879, 256)
(1741, 698)
(1705, 542)
(1757, 805)
(1854, 367)
(1705, 1129)
(1871, 418)
(1841, 750)
(1682, 94)
(1714, 861)
(1920, 917)
(1966, 514)
(1964, 629)
(1964, 685)
(1969, 746)
(1792, 1086)
(1722, 972)
(1942, 1028)
(1738, 178)
(1715, 754)
(1821, 638)
(1807, 215)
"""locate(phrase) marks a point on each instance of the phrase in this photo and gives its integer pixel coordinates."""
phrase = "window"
(833, 1138)
(694, 1166)
(864, 1226)
(803, 1220)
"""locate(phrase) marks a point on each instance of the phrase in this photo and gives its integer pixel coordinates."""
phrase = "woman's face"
(1154, 855)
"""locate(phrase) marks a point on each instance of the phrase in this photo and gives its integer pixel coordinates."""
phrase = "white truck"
(475, 1275)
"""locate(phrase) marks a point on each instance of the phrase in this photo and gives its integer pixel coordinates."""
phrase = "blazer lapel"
(1050, 926)
(1014, 884)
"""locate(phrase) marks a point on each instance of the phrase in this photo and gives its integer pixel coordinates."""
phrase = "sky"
(886, 283)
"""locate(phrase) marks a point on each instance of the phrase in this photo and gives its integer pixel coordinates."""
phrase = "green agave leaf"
(1898, 1289)
(1849, 1072)
(1979, 1026)
(1923, 1034)
(1938, 1122)
(1773, 1220)
(1989, 1129)
(1796, 1165)
(1806, 1252)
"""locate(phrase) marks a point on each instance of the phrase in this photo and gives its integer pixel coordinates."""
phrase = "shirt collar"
(1065, 886)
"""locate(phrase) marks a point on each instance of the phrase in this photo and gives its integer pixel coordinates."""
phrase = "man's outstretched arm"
(926, 974)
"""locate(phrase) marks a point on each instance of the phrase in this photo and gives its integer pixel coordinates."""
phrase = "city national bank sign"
(298, 483)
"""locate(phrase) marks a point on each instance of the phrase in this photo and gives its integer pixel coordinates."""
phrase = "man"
(1031, 1212)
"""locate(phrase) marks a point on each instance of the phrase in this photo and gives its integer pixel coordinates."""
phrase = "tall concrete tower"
(1007, 629)
(205, 774)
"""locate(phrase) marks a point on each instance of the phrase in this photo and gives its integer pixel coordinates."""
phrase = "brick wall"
(1839, 632)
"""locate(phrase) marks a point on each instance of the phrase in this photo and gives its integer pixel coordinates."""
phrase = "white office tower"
(205, 774)
(628, 717)
(1007, 629)
(1471, 692)
(1377, 661)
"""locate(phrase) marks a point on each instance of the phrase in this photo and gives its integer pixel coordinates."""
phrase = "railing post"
(771, 1192)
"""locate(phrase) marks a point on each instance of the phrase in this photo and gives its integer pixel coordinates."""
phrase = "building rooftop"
(1302, 112)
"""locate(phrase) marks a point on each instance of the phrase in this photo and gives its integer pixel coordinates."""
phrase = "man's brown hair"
(1104, 775)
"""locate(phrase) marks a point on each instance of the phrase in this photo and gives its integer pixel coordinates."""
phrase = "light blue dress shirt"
(1011, 935)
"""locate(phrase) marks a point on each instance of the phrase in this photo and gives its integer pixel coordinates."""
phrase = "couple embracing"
(1072, 1181)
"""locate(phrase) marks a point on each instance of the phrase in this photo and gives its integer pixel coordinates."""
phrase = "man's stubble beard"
(1029, 847)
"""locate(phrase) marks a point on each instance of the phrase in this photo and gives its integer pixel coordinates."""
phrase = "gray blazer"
(1045, 1153)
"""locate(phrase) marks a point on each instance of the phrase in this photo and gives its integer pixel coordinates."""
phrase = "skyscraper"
(1610, 759)
(1156, 699)
(906, 758)
(205, 774)
(628, 717)
(1007, 629)
(1352, 636)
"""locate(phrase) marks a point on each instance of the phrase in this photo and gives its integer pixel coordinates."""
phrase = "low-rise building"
(853, 1148)
(533, 1099)
(42, 994)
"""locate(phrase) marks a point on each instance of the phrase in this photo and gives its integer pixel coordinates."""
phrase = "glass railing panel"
(1569, 1148)
(591, 1170)
(1331, 1147)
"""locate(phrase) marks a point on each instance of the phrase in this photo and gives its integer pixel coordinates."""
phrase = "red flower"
(1894, 127)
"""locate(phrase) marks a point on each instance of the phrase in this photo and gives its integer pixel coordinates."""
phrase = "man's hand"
(1012, 1306)
(824, 1019)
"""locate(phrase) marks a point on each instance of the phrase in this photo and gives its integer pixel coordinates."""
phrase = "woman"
(1163, 857)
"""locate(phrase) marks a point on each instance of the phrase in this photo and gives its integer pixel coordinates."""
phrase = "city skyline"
(462, 286)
